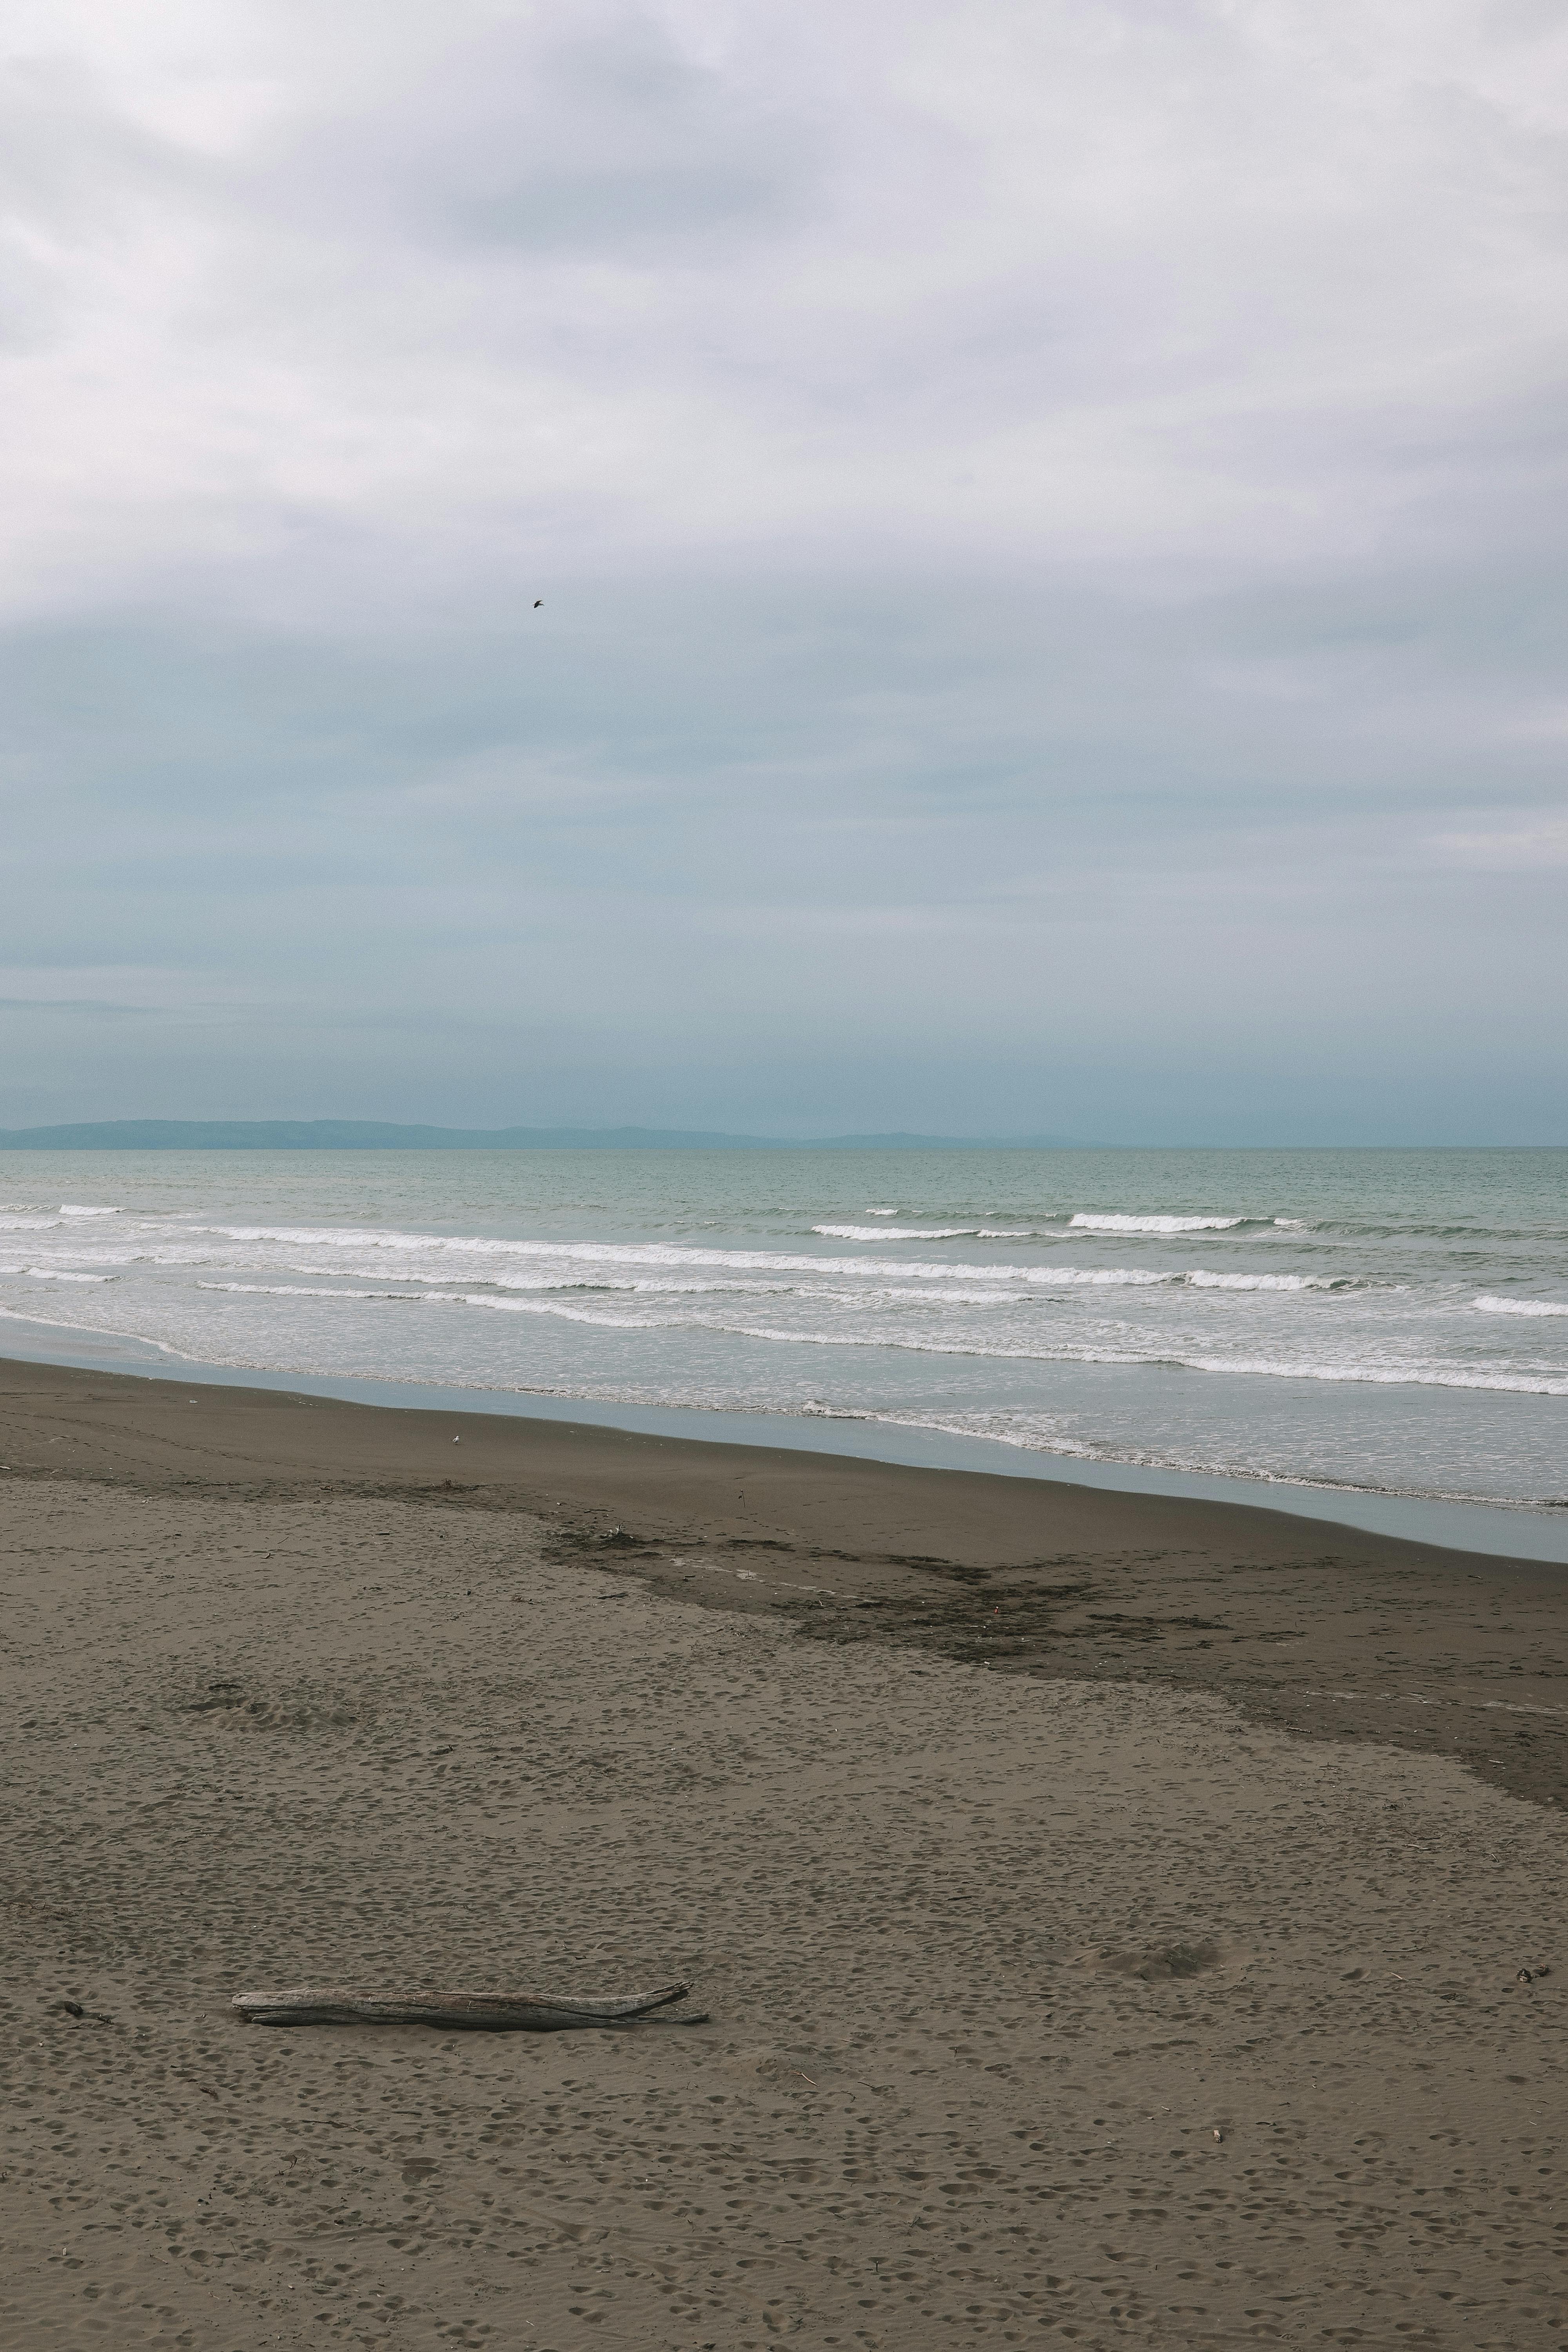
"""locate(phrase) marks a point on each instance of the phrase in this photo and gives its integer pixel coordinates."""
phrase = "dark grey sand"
(1058, 1990)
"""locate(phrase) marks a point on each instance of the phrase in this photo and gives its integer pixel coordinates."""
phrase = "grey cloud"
(574, 210)
(620, 144)
(608, 142)
(1047, 532)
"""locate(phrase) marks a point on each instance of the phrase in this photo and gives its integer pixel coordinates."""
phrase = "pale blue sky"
(1050, 521)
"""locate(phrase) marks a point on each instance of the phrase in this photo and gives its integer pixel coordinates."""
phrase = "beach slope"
(1056, 1987)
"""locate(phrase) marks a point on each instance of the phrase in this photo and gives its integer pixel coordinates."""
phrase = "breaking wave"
(910, 1233)
(984, 1293)
(1090, 1222)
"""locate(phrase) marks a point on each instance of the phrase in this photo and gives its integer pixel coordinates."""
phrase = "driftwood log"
(483, 2013)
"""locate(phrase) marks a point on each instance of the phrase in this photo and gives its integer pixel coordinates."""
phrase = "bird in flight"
(537, 601)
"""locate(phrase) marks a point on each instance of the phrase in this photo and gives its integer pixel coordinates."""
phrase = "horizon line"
(372, 1135)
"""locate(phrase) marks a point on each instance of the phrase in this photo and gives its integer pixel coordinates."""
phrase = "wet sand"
(1059, 1988)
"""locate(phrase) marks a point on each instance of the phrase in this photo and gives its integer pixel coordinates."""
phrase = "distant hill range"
(373, 1135)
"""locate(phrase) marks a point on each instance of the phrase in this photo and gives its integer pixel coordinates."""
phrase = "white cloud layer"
(1049, 520)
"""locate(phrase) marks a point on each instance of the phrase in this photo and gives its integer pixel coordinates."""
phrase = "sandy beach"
(1110, 1910)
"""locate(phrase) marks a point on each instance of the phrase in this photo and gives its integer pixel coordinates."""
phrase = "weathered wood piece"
(485, 2012)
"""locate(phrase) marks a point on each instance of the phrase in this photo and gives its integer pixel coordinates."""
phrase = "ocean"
(1385, 1322)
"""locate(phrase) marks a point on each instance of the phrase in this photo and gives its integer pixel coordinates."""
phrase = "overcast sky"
(1051, 520)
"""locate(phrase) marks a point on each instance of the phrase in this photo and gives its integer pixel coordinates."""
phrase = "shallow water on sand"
(1390, 1321)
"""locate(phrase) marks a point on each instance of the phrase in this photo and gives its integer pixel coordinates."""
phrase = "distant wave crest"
(54, 1273)
(1088, 1222)
(908, 1233)
(1201, 1281)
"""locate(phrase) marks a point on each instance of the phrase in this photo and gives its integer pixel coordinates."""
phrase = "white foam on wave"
(83, 1257)
(58, 1274)
(99, 1330)
(881, 1213)
(926, 1232)
(663, 1266)
(942, 1286)
(414, 1297)
(662, 1255)
(1111, 1277)
(905, 1233)
(1199, 1280)
(1041, 1434)
(1490, 1306)
(443, 1298)
(71, 1208)
(1383, 1376)
(1039, 1293)
(913, 1346)
(378, 1237)
(305, 1290)
(929, 1341)
(1089, 1222)
(1099, 1278)
(686, 1286)
(550, 1306)
(1421, 1376)
(565, 1278)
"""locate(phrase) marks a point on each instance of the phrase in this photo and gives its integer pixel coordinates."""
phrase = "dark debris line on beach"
(1321, 1630)
(1099, 1619)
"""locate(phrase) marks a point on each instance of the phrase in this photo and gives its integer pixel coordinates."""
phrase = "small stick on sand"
(486, 2013)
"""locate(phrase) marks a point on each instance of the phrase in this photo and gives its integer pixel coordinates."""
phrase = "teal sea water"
(1395, 1322)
